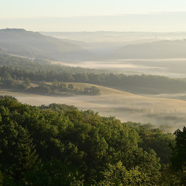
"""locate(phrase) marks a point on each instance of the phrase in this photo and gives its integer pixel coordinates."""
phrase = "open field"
(125, 106)
(103, 90)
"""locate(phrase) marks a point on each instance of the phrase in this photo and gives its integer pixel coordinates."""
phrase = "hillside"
(156, 50)
(34, 44)
(103, 90)
(124, 105)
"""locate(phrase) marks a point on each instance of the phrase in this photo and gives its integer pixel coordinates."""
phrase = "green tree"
(27, 82)
(179, 150)
(55, 83)
(71, 86)
(53, 173)
(118, 175)
(18, 152)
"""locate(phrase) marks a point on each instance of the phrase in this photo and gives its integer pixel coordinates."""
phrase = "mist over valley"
(129, 53)
(93, 93)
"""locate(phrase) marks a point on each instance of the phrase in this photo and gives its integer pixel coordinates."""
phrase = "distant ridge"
(164, 49)
(35, 45)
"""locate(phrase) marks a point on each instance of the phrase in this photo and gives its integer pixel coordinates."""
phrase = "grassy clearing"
(103, 90)
(125, 106)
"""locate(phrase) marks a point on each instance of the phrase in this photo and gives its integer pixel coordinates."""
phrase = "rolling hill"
(34, 44)
(123, 105)
(164, 49)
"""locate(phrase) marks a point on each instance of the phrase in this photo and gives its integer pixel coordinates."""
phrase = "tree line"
(50, 88)
(41, 64)
(145, 84)
(40, 70)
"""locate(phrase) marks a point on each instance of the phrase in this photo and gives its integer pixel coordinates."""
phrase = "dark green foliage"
(17, 150)
(91, 91)
(1, 179)
(57, 88)
(119, 175)
(154, 138)
(53, 173)
(71, 86)
(58, 107)
(60, 145)
(179, 150)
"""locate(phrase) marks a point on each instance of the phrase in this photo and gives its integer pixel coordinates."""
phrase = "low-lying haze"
(122, 105)
(130, 37)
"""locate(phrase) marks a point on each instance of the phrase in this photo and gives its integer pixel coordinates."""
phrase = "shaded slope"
(34, 44)
(156, 50)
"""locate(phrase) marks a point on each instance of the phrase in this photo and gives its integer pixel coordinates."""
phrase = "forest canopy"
(61, 145)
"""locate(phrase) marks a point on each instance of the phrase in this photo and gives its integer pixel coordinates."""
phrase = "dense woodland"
(61, 145)
(20, 69)
(39, 63)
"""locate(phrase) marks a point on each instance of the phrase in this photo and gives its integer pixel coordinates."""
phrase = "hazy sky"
(94, 15)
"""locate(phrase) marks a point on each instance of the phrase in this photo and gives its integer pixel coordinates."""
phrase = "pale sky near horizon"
(94, 15)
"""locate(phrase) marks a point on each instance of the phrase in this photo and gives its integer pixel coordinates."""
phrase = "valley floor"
(125, 106)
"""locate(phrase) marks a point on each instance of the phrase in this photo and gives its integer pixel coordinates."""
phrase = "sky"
(94, 15)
